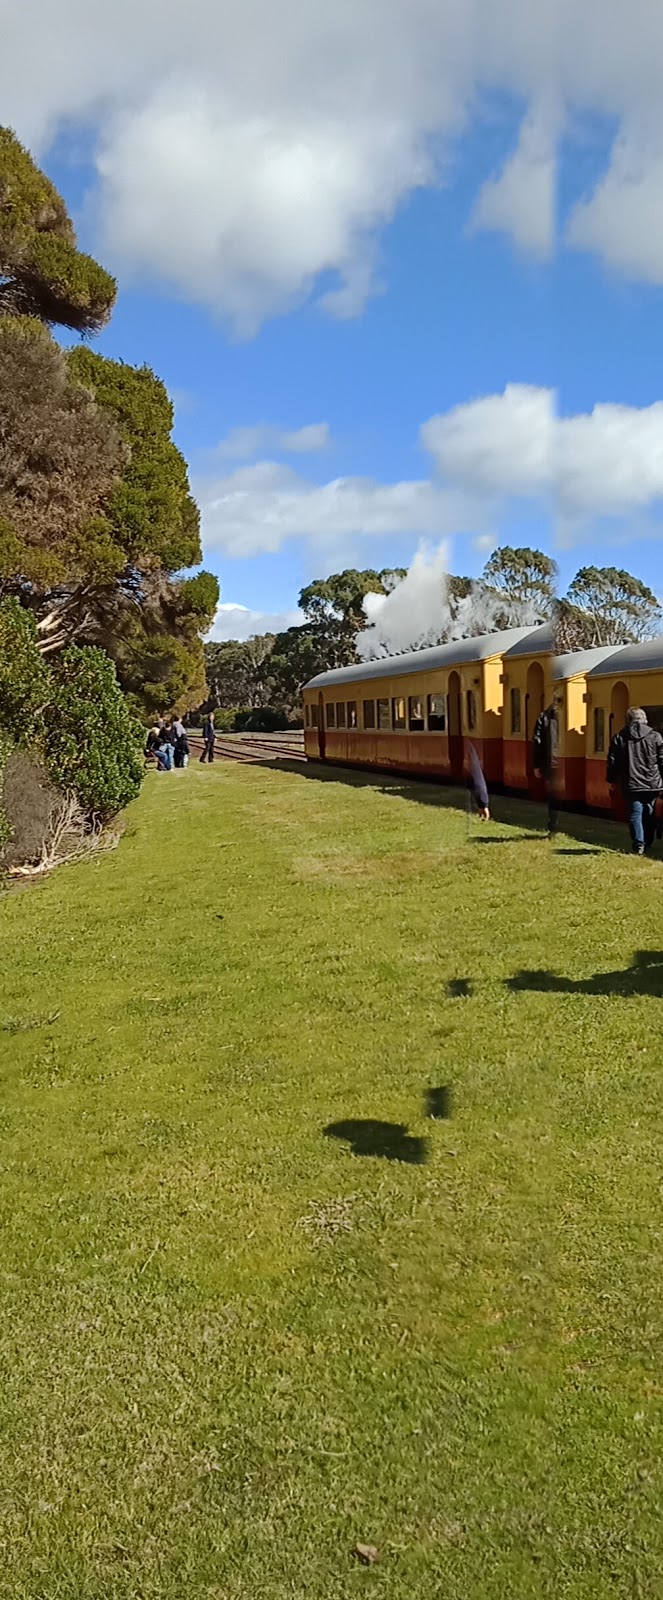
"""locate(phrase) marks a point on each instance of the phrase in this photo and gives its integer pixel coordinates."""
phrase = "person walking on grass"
(545, 754)
(209, 738)
(635, 765)
(477, 789)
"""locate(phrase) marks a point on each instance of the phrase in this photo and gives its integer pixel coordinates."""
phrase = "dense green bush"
(24, 676)
(93, 745)
(265, 720)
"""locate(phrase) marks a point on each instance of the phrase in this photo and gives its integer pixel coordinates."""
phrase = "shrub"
(24, 676)
(266, 720)
(93, 745)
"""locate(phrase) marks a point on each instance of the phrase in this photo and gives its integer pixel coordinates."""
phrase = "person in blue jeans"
(635, 765)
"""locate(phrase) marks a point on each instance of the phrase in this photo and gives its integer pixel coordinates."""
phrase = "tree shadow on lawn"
(643, 977)
(388, 1140)
(512, 811)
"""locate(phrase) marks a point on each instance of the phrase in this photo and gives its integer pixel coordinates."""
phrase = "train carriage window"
(599, 730)
(437, 713)
(352, 713)
(384, 719)
(331, 714)
(314, 716)
(515, 711)
(399, 712)
(369, 713)
(654, 715)
(307, 715)
(340, 713)
(415, 715)
(471, 710)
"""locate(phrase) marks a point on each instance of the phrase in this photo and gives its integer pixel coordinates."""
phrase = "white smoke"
(418, 610)
(415, 613)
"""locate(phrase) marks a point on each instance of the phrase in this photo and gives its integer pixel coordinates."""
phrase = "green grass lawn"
(231, 1347)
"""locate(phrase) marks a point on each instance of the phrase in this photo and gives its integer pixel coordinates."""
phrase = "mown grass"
(230, 1348)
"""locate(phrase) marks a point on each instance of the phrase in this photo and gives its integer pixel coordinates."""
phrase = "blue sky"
(543, 291)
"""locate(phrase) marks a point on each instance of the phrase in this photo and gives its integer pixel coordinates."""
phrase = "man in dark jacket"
(209, 738)
(635, 765)
(545, 753)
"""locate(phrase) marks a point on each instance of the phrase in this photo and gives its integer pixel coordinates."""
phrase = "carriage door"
(533, 708)
(618, 708)
(322, 736)
(455, 729)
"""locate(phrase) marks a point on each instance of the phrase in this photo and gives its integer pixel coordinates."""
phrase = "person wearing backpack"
(635, 765)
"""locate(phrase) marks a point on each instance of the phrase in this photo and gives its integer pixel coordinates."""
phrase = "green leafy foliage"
(609, 606)
(92, 743)
(525, 578)
(60, 456)
(150, 515)
(269, 719)
(24, 676)
(42, 273)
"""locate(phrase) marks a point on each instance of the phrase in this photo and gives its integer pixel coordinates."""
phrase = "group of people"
(634, 771)
(168, 743)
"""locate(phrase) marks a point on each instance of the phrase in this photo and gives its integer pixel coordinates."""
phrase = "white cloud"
(521, 201)
(245, 150)
(622, 221)
(610, 461)
(240, 622)
(607, 462)
(492, 452)
(500, 444)
(245, 443)
(258, 508)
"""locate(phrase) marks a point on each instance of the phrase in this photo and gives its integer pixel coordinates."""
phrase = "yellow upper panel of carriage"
(633, 673)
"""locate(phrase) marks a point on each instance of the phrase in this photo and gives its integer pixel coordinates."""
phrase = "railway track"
(252, 747)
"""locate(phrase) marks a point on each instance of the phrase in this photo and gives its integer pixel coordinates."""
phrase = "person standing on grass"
(635, 765)
(545, 750)
(477, 788)
(181, 742)
(209, 738)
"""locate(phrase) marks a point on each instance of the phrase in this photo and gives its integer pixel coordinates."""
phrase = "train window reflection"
(437, 713)
(399, 712)
(471, 710)
(384, 719)
(313, 716)
(369, 713)
(416, 717)
(515, 711)
(599, 730)
(331, 714)
(352, 713)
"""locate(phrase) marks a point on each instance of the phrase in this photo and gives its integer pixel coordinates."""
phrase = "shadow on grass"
(513, 811)
(439, 1103)
(388, 1140)
(643, 977)
(459, 988)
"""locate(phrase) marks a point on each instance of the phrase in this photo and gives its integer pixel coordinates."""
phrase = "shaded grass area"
(256, 1305)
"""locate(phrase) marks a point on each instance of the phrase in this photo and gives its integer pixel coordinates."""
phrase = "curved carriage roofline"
(644, 657)
(580, 662)
(482, 648)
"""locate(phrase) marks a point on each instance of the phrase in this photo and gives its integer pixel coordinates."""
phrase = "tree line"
(603, 606)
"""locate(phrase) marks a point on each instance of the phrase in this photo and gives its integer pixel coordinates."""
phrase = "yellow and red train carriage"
(411, 713)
